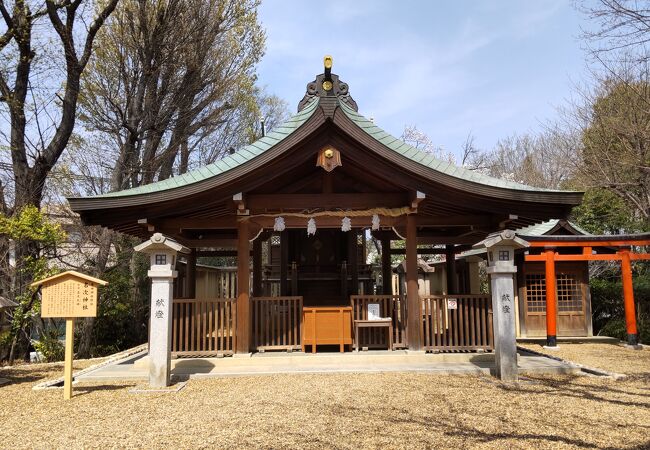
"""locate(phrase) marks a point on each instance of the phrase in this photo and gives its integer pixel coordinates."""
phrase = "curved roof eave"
(415, 160)
(230, 167)
(287, 135)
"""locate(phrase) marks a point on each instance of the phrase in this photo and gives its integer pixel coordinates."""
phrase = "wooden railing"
(277, 323)
(468, 327)
(203, 327)
(393, 306)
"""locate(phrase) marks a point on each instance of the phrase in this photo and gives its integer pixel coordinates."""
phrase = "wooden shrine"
(296, 208)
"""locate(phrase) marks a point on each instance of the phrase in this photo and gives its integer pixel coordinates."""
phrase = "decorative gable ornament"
(311, 227)
(375, 222)
(279, 224)
(346, 224)
(329, 158)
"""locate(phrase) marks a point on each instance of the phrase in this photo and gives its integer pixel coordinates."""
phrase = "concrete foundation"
(270, 363)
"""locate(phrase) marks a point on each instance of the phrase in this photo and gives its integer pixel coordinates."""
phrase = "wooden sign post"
(69, 295)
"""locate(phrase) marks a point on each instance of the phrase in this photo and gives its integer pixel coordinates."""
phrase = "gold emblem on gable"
(329, 158)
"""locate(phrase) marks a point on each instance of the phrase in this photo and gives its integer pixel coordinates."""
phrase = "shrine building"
(296, 207)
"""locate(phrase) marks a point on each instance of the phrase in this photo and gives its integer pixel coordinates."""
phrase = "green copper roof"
(283, 131)
(228, 162)
(541, 229)
(428, 160)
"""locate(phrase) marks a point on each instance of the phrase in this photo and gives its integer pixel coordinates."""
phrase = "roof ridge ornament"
(327, 84)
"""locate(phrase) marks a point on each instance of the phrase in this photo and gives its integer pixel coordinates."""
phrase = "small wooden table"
(378, 323)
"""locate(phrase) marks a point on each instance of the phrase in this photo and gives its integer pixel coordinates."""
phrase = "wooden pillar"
(386, 269)
(450, 269)
(551, 299)
(344, 281)
(413, 297)
(191, 274)
(257, 267)
(284, 262)
(69, 355)
(353, 261)
(243, 288)
(628, 297)
(294, 278)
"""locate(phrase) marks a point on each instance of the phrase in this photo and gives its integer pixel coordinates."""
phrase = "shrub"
(49, 346)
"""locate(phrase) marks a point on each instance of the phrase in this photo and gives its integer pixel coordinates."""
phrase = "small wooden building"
(309, 190)
(572, 286)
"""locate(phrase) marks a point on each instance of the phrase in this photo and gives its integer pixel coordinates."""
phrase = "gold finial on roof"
(327, 61)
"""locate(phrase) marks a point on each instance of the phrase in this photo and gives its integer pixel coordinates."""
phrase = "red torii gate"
(593, 249)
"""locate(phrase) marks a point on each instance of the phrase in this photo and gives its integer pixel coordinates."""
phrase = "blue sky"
(492, 68)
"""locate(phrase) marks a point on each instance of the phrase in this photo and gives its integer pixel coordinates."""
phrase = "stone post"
(501, 268)
(162, 251)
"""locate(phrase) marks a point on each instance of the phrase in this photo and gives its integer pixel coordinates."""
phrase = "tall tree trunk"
(103, 254)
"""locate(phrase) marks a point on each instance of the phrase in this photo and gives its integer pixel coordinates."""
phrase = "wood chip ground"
(347, 411)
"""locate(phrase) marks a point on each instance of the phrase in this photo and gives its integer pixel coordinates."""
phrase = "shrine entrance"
(324, 268)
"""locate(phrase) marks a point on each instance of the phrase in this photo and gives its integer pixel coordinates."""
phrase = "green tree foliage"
(29, 224)
(604, 212)
(123, 312)
(612, 168)
(615, 152)
(607, 305)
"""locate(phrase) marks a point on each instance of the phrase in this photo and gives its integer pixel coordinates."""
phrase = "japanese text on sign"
(69, 297)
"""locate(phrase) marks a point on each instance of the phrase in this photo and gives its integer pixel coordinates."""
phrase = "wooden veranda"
(206, 327)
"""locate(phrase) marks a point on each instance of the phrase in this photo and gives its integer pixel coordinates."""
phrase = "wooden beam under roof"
(416, 198)
(217, 253)
(421, 251)
(455, 220)
(207, 243)
(438, 240)
(176, 225)
(271, 202)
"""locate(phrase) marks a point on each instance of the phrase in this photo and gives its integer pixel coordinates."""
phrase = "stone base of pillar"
(634, 347)
(632, 339)
(551, 342)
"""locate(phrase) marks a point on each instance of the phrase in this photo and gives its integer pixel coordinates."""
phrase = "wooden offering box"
(327, 325)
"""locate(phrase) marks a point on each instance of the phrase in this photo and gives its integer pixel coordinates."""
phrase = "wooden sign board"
(69, 294)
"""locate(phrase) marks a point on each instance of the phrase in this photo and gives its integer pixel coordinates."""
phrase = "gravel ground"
(333, 411)
(609, 357)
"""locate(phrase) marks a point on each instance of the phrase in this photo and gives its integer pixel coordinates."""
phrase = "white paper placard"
(452, 303)
(373, 311)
